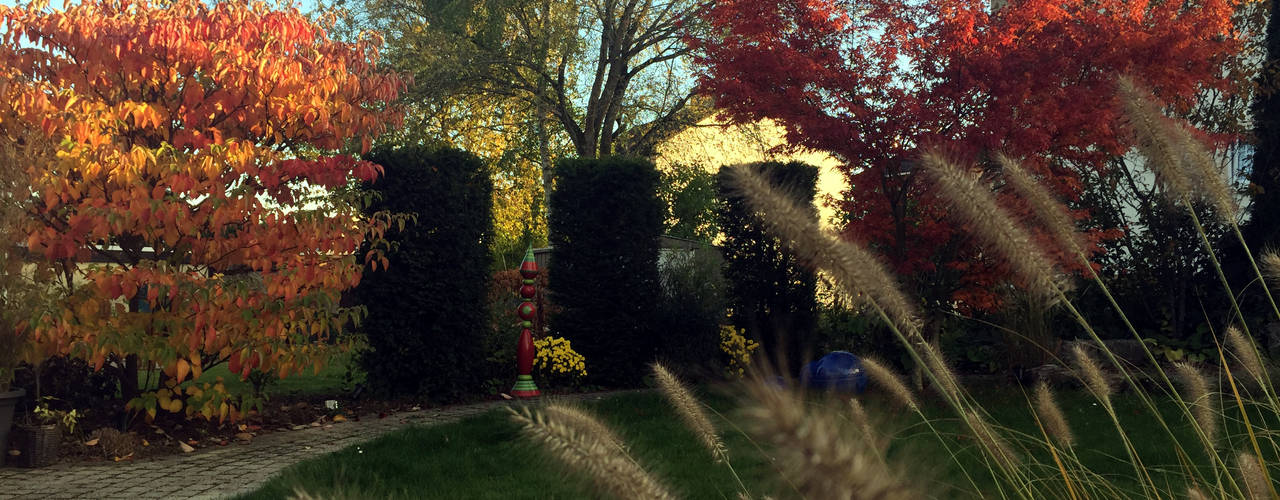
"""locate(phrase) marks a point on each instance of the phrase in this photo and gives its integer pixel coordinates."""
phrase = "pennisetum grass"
(690, 410)
(610, 469)
(824, 455)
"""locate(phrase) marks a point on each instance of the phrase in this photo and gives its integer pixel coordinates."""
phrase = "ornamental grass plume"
(856, 269)
(1200, 399)
(813, 449)
(945, 376)
(1180, 161)
(1052, 213)
(987, 436)
(1055, 423)
(890, 381)
(976, 206)
(863, 422)
(609, 468)
(1194, 493)
(1244, 350)
(1271, 267)
(690, 411)
(1092, 376)
(1147, 124)
(576, 417)
(1255, 483)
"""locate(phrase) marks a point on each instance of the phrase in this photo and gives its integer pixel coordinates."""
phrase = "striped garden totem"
(525, 388)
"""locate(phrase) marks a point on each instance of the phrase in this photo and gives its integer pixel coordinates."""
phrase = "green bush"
(693, 307)
(772, 296)
(604, 226)
(427, 313)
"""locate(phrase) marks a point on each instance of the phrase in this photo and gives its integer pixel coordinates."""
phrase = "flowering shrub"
(737, 348)
(557, 360)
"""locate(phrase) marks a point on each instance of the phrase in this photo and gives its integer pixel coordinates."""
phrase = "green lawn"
(483, 457)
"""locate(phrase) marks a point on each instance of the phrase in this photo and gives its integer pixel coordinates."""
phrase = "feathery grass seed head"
(813, 448)
(690, 410)
(977, 207)
(890, 381)
(1051, 415)
(1271, 266)
(1201, 399)
(855, 268)
(1245, 350)
(1092, 375)
(608, 467)
(1052, 213)
(1255, 483)
(1145, 121)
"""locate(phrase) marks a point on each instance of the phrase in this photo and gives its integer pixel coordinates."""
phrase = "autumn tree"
(874, 82)
(198, 161)
(605, 74)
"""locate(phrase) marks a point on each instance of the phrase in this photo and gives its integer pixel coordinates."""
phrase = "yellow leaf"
(183, 369)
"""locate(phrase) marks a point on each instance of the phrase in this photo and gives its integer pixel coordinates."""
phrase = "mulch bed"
(97, 440)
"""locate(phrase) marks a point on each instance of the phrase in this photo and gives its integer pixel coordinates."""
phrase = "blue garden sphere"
(838, 370)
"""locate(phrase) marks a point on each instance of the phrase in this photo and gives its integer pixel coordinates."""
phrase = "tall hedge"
(604, 225)
(427, 312)
(771, 295)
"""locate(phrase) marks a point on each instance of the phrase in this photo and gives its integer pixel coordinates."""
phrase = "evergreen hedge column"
(604, 224)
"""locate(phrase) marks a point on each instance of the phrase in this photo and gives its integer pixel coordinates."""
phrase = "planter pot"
(7, 401)
(37, 445)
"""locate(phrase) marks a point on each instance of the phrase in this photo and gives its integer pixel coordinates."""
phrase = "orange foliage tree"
(197, 198)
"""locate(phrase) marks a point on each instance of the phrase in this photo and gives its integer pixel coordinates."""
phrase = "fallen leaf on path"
(186, 448)
(91, 442)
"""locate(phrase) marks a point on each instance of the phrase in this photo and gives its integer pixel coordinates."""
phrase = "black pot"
(7, 401)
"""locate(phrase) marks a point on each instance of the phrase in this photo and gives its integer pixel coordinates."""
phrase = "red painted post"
(525, 388)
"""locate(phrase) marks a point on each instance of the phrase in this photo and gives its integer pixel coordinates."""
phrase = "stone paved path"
(219, 472)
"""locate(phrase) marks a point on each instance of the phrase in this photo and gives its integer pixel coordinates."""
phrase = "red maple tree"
(874, 82)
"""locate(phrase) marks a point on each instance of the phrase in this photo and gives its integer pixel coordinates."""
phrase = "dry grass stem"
(976, 206)
(813, 450)
(853, 267)
(607, 466)
(1201, 399)
(1255, 483)
(1092, 375)
(690, 410)
(1052, 213)
(1054, 421)
(1244, 350)
(890, 381)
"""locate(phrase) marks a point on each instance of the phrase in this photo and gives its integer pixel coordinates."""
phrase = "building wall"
(712, 145)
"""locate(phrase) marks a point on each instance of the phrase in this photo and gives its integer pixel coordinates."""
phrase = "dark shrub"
(427, 318)
(693, 307)
(772, 296)
(604, 226)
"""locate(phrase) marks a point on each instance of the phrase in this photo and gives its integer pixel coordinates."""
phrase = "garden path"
(221, 472)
